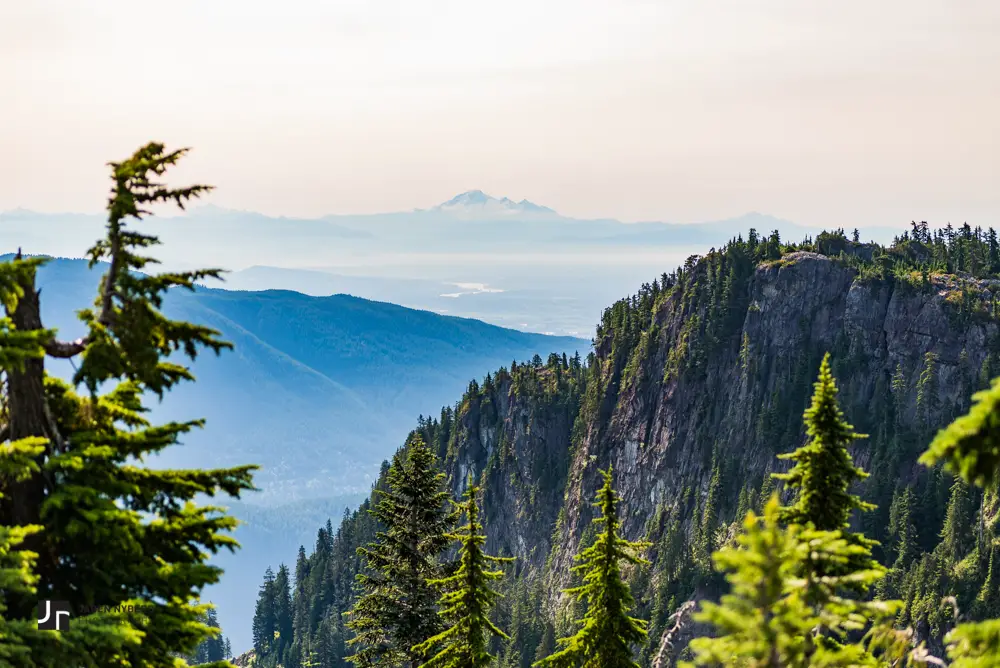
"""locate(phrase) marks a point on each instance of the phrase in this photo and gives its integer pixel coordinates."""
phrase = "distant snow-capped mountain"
(475, 204)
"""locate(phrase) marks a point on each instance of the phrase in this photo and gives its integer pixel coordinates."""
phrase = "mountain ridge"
(695, 385)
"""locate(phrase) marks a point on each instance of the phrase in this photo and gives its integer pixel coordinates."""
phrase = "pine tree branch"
(66, 349)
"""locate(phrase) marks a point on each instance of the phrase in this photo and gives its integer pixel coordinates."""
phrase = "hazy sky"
(820, 111)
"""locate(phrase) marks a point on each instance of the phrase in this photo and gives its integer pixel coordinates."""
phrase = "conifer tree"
(608, 633)
(467, 600)
(211, 649)
(396, 608)
(282, 613)
(955, 533)
(901, 527)
(771, 615)
(823, 474)
(18, 463)
(970, 448)
(264, 616)
(91, 523)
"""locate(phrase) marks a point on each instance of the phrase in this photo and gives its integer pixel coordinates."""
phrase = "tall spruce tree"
(770, 616)
(396, 609)
(466, 603)
(91, 524)
(822, 477)
(211, 649)
(823, 471)
(264, 617)
(608, 633)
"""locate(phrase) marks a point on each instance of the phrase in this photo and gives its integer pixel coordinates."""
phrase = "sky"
(827, 112)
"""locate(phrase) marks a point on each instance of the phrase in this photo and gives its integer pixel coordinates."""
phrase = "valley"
(694, 388)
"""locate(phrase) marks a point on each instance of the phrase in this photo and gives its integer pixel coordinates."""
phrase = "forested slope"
(695, 385)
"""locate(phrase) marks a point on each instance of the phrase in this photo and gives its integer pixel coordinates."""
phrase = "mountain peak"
(470, 197)
(477, 204)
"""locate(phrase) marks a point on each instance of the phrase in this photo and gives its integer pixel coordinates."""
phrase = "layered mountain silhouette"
(318, 390)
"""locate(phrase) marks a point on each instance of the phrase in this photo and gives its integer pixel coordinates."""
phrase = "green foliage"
(467, 600)
(970, 446)
(213, 649)
(403, 563)
(129, 337)
(824, 472)
(975, 645)
(956, 534)
(607, 631)
(272, 622)
(927, 389)
(705, 304)
(778, 612)
(86, 521)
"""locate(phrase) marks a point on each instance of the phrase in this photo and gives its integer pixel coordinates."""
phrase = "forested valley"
(779, 454)
(717, 404)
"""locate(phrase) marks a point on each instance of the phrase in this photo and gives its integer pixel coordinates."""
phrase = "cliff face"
(694, 386)
(662, 432)
(515, 436)
(712, 386)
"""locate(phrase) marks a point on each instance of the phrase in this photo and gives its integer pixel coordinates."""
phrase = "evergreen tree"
(772, 614)
(282, 613)
(956, 534)
(970, 448)
(824, 472)
(211, 649)
(705, 542)
(467, 600)
(395, 611)
(901, 527)
(607, 631)
(822, 477)
(927, 390)
(264, 616)
(90, 523)
(18, 462)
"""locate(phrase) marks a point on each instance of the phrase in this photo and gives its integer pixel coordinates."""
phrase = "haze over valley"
(515, 264)
(729, 269)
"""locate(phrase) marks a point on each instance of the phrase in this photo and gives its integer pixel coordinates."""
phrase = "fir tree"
(90, 522)
(970, 448)
(395, 611)
(822, 477)
(901, 525)
(264, 616)
(955, 533)
(608, 633)
(211, 649)
(282, 613)
(467, 600)
(824, 472)
(772, 613)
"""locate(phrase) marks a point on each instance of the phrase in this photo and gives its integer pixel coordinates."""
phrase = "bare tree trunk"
(681, 617)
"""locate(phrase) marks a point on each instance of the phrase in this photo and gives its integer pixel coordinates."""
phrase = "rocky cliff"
(708, 391)
(694, 386)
